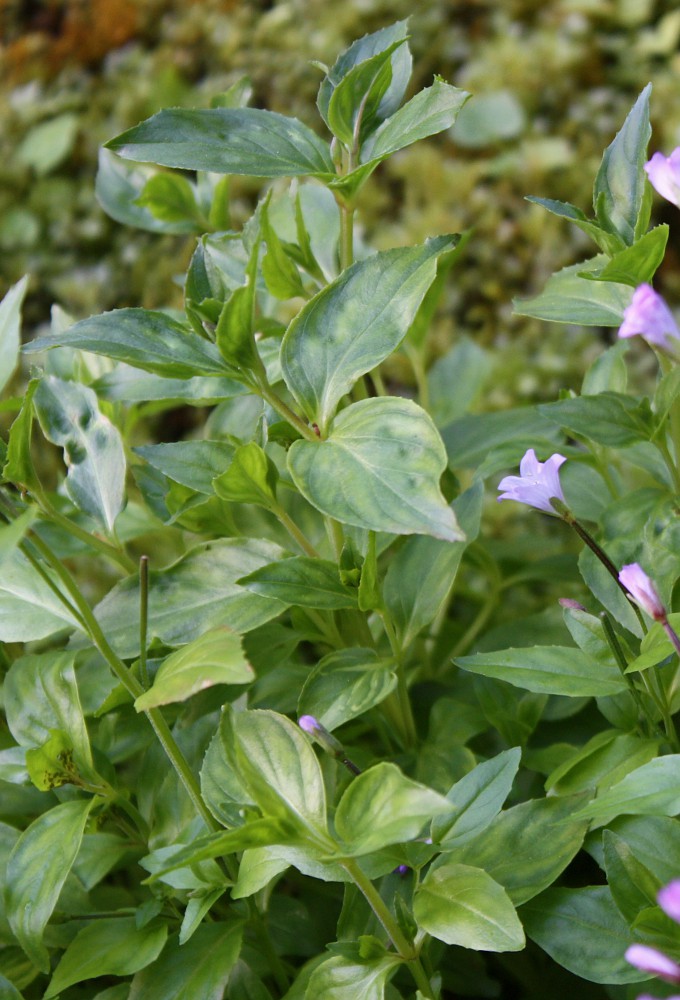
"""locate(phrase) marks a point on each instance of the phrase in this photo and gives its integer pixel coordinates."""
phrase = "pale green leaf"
(10, 326)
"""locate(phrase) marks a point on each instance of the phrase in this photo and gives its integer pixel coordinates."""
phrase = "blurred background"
(552, 82)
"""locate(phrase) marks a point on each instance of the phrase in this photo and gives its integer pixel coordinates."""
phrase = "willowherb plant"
(168, 827)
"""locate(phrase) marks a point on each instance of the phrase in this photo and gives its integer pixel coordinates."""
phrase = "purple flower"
(669, 899)
(537, 484)
(309, 724)
(648, 316)
(643, 592)
(653, 961)
(664, 175)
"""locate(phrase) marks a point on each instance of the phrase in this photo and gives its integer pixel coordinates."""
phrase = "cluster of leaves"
(316, 553)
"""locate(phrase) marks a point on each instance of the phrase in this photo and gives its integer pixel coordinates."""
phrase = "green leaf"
(192, 463)
(41, 695)
(620, 184)
(637, 263)
(344, 685)
(464, 906)
(199, 968)
(301, 580)
(349, 975)
(456, 380)
(195, 594)
(388, 455)
(12, 534)
(422, 573)
(29, 607)
(280, 274)
(476, 799)
(226, 141)
(250, 478)
(547, 670)
(363, 50)
(382, 806)
(497, 439)
(432, 110)
(144, 339)
(278, 766)
(111, 946)
(632, 885)
(568, 297)
(18, 468)
(354, 323)
(655, 841)
(525, 848)
(8, 990)
(171, 198)
(582, 930)
(93, 448)
(117, 187)
(651, 789)
(36, 871)
(655, 646)
(10, 328)
(605, 758)
(354, 107)
(216, 657)
(608, 373)
(609, 243)
(610, 418)
(130, 385)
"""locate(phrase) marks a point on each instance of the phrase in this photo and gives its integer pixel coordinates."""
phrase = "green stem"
(293, 530)
(346, 235)
(408, 724)
(404, 947)
(143, 618)
(670, 464)
(285, 411)
(132, 685)
(94, 541)
(615, 646)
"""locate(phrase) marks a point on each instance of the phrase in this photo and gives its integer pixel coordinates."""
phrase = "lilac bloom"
(309, 724)
(664, 175)
(648, 316)
(642, 591)
(669, 899)
(653, 961)
(537, 484)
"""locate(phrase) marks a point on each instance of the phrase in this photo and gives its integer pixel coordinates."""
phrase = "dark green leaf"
(191, 463)
(18, 468)
(525, 848)
(637, 263)
(582, 930)
(199, 968)
(195, 594)
(431, 111)
(621, 180)
(171, 198)
(345, 684)
(354, 323)
(603, 761)
(651, 789)
(144, 339)
(117, 188)
(609, 243)
(547, 670)
(36, 871)
(389, 456)
(301, 580)
(477, 799)
(226, 141)
(609, 418)
(568, 297)
(421, 575)
(112, 946)
(632, 885)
